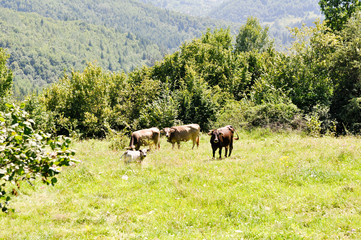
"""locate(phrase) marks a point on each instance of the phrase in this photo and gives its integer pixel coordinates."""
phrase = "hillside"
(276, 14)
(41, 49)
(46, 38)
(267, 11)
(190, 7)
(165, 28)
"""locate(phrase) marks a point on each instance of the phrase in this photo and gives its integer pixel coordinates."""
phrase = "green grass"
(274, 186)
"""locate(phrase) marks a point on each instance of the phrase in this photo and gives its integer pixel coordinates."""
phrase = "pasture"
(274, 186)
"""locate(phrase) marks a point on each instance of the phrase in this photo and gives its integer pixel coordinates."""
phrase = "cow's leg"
(137, 147)
(230, 149)
(194, 142)
(178, 143)
(156, 144)
(214, 152)
(173, 143)
(225, 150)
(220, 152)
(197, 140)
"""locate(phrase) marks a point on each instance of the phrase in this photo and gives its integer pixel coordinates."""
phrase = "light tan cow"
(145, 137)
(183, 133)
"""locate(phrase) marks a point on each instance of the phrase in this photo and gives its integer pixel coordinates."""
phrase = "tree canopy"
(252, 36)
(337, 12)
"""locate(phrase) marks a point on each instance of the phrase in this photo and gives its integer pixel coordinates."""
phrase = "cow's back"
(141, 137)
(186, 132)
(227, 136)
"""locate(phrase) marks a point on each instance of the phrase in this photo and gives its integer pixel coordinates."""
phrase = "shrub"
(26, 154)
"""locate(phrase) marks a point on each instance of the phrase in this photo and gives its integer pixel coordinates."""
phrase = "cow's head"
(143, 153)
(165, 131)
(215, 135)
(168, 132)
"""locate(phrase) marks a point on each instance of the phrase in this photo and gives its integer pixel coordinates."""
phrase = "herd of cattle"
(221, 137)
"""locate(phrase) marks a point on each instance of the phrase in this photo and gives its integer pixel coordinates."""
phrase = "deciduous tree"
(337, 12)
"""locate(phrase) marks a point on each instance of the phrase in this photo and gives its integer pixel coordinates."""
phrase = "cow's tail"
(234, 130)
(236, 138)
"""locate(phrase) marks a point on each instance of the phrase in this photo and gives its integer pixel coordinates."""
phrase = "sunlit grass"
(274, 186)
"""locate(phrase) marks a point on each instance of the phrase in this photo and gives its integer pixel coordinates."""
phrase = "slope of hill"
(44, 37)
(277, 14)
(266, 10)
(41, 49)
(165, 28)
(190, 7)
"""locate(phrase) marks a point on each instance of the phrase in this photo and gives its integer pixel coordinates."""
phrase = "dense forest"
(165, 28)
(46, 38)
(190, 7)
(278, 15)
(41, 49)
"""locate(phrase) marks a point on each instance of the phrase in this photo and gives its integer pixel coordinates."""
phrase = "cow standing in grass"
(145, 137)
(183, 133)
(222, 137)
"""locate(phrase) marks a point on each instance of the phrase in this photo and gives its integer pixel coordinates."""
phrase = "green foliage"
(265, 106)
(6, 77)
(167, 29)
(337, 12)
(36, 63)
(94, 102)
(162, 112)
(252, 37)
(304, 74)
(345, 70)
(26, 154)
(118, 140)
(82, 101)
(120, 36)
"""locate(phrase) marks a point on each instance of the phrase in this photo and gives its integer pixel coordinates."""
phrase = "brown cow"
(222, 137)
(145, 137)
(183, 133)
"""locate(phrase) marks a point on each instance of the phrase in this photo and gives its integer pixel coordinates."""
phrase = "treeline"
(212, 82)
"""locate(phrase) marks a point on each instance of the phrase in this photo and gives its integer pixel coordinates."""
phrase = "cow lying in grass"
(134, 156)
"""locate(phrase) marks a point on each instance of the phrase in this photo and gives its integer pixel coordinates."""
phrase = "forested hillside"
(165, 28)
(277, 14)
(191, 7)
(41, 49)
(46, 38)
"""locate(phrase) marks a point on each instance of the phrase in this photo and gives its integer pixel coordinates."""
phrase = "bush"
(272, 115)
(118, 140)
(26, 154)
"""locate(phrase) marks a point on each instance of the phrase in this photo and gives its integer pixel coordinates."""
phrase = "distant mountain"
(163, 27)
(194, 8)
(268, 11)
(41, 49)
(277, 14)
(47, 38)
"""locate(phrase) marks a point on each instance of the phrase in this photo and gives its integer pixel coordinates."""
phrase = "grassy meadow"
(274, 186)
